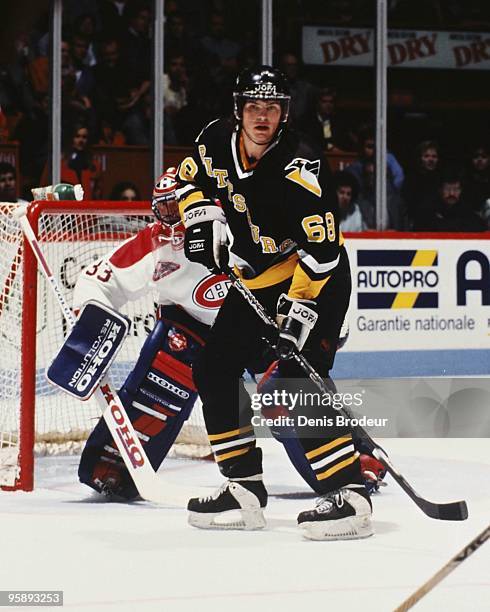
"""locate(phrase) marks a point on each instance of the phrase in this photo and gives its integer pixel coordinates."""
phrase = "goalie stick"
(452, 511)
(149, 485)
(451, 565)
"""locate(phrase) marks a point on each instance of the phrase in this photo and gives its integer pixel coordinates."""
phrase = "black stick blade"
(453, 511)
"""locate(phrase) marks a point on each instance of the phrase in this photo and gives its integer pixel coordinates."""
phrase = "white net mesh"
(70, 242)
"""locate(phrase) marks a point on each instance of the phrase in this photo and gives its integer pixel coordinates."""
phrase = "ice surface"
(132, 557)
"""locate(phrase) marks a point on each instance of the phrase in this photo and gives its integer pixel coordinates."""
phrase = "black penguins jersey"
(282, 220)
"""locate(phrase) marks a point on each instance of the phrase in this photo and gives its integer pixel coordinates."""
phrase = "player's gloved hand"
(205, 236)
(296, 318)
(373, 473)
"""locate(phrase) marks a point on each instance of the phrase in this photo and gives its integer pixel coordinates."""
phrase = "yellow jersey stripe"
(195, 196)
(424, 258)
(337, 468)
(326, 447)
(303, 287)
(405, 300)
(229, 434)
(273, 275)
(235, 453)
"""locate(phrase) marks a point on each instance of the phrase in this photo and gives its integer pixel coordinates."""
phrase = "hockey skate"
(340, 515)
(237, 504)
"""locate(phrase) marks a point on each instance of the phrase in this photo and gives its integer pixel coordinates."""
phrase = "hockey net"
(35, 417)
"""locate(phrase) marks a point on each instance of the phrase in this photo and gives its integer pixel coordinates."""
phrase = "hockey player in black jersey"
(255, 183)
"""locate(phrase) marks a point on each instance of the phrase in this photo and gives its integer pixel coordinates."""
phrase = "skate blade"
(244, 520)
(350, 528)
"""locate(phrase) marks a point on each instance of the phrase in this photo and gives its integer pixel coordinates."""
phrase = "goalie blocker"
(89, 350)
(158, 396)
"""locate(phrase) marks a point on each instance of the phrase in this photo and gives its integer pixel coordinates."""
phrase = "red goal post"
(35, 417)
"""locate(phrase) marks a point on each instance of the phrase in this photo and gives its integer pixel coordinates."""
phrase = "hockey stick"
(451, 565)
(149, 485)
(452, 511)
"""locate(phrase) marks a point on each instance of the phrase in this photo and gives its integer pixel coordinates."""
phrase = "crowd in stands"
(106, 59)
(435, 195)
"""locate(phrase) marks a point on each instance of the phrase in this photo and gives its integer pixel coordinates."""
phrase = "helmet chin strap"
(275, 136)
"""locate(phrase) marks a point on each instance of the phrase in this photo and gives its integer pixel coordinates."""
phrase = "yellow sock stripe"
(229, 434)
(337, 467)
(405, 300)
(326, 447)
(231, 454)
(424, 258)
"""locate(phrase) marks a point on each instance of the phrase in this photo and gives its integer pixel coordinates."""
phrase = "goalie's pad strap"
(89, 350)
(175, 369)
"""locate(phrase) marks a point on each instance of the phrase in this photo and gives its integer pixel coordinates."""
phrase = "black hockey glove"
(296, 318)
(205, 236)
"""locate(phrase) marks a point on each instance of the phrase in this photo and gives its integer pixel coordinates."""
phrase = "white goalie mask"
(164, 202)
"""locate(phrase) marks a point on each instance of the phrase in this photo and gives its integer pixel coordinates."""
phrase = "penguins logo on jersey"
(305, 173)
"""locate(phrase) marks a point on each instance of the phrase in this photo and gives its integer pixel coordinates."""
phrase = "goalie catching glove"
(205, 236)
(296, 318)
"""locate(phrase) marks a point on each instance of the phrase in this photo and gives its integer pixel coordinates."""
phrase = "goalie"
(159, 393)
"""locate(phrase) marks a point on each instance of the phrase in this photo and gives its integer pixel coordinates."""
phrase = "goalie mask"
(164, 202)
(263, 83)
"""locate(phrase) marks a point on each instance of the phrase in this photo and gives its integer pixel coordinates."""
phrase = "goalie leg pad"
(158, 396)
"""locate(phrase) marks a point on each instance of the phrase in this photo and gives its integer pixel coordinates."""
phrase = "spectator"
(108, 135)
(66, 61)
(84, 77)
(78, 164)
(347, 191)
(84, 27)
(112, 85)
(367, 200)
(125, 192)
(423, 180)
(324, 126)
(175, 84)
(448, 211)
(395, 174)
(32, 132)
(302, 92)
(178, 40)
(136, 126)
(176, 37)
(134, 59)
(216, 45)
(111, 13)
(135, 43)
(8, 183)
(73, 9)
(477, 185)
(18, 93)
(75, 106)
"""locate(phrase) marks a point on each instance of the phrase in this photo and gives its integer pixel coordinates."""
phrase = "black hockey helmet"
(263, 83)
